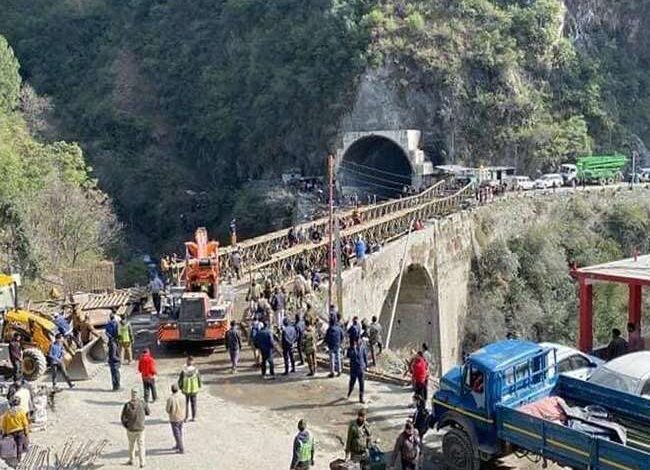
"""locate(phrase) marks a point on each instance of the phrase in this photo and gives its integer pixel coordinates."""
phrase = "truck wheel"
(34, 363)
(458, 452)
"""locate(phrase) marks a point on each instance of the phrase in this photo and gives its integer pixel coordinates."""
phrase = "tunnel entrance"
(416, 315)
(375, 165)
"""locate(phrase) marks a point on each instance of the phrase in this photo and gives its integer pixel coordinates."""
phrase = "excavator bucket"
(83, 362)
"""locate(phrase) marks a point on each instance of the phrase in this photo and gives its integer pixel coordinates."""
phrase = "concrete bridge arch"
(434, 294)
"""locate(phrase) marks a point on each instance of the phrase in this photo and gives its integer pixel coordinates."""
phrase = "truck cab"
(469, 395)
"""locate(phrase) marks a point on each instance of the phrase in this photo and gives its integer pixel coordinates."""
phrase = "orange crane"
(197, 311)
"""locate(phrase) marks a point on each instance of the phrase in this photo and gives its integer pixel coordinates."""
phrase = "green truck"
(601, 169)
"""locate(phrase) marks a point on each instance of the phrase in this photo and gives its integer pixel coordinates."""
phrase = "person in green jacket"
(125, 340)
(309, 340)
(359, 440)
(189, 381)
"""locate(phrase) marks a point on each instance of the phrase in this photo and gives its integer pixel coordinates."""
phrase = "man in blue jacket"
(354, 332)
(300, 331)
(111, 328)
(57, 351)
(289, 337)
(334, 339)
(358, 356)
(264, 341)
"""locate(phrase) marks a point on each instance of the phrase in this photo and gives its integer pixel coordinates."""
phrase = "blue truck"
(484, 408)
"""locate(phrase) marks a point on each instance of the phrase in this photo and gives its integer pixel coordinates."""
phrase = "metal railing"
(259, 250)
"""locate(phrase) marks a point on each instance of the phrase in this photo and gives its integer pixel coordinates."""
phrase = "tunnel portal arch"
(375, 165)
(416, 316)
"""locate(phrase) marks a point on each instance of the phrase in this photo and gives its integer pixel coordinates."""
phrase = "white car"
(572, 362)
(549, 180)
(628, 373)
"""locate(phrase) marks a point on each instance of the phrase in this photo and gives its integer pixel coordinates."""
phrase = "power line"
(358, 179)
(377, 178)
(399, 175)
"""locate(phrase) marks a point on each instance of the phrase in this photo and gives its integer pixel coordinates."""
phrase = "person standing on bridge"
(309, 342)
(147, 369)
(264, 341)
(279, 303)
(358, 356)
(289, 337)
(233, 343)
(360, 250)
(189, 381)
(334, 340)
(299, 324)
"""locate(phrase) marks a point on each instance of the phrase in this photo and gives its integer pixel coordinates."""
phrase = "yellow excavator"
(38, 331)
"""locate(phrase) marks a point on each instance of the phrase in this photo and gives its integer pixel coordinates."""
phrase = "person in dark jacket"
(111, 328)
(299, 324)
(617, 346)
(132, 418)
(16, 356)
(303, 448)
(264, 341)
(358, 356)
(289, 337)
(233, 343)
(334, 339)
(407, 447)
(354, 332)
(114, 364)
(278, 304)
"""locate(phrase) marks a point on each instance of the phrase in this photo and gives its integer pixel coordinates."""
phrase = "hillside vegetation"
(179, 104)
(52, 216)
(521, 283)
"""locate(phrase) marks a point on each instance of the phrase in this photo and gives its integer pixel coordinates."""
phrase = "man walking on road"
(289, 337)
(233, 343)
(189, 381)
(374, 339)
(303, 448)
(125, 339)
(147, 368)
(176, 411)
(334, 339)
(309, 347)
(358, 441)
(264, 341)
(407, 447)
(114, 365)
(57, 351)
(133, 415)
(358, 356)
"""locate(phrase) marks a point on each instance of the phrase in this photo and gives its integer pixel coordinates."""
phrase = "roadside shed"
(634, 272)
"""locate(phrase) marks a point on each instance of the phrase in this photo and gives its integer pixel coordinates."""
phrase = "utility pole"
(339, 269)
(399, 283)
(330, 254)
(633, 169)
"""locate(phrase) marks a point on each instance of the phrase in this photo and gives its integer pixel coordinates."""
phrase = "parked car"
(516, 182)
(572, 362)
(628, 373)
(548, 180)
(641, 176)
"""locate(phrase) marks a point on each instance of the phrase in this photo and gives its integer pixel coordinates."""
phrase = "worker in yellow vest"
(303, 448)
(125, 339)
(189, 381)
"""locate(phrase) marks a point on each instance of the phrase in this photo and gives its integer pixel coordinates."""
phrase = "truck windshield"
(192, 310)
